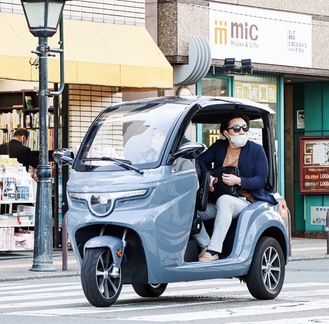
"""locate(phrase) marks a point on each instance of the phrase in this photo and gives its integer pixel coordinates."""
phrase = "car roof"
(214, 109)
(222, 103)
(209, 109)
(205, 101)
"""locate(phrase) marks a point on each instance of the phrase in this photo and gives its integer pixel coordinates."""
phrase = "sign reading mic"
(264, 36)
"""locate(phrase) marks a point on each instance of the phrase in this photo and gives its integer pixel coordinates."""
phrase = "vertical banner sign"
(264, 36)
(314, 165)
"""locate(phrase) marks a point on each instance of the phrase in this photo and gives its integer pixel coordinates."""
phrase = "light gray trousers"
(226, 208)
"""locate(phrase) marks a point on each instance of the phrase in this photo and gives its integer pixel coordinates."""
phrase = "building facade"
(284, 40)
(286, 43)
(108, 54)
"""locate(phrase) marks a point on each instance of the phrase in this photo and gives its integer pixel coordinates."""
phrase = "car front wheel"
(101, 281)
(266, 274)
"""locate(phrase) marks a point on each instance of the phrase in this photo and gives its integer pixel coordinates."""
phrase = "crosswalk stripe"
(45, 289)
(78, 292)
(299, 320)
(41, 296)
(25, 287)
(112, 309)
(42, 303)
(236, 312)
(220, 283)
(61, 299)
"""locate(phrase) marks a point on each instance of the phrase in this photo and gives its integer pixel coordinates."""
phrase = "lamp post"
(42, 17)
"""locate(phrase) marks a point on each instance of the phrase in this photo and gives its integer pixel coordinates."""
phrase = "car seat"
(202, 196)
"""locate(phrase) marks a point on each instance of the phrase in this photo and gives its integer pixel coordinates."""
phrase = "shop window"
(214, 87)
(260, 89)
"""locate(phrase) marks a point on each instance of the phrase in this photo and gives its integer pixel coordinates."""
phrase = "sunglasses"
(237, 128)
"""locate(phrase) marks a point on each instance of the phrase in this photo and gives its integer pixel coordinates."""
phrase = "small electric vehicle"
(135, 190)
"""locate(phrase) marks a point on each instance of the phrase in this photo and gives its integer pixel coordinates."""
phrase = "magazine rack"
(17, 204)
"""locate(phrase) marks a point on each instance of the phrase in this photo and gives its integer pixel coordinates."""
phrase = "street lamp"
(42, 18)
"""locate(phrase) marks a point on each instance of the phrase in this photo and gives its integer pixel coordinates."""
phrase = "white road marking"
(236, 312)
(62, 299)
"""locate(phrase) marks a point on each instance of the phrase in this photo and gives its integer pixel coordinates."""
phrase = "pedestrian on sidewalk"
(16, 148)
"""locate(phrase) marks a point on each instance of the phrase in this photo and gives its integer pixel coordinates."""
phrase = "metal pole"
(327, 230)
(64, 245)
(43, 234)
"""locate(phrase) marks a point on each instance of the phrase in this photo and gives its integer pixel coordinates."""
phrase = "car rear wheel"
(267, 271)
(149, 290)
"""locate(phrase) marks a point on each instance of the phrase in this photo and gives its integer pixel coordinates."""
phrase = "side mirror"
(63, 156)
(189, 150)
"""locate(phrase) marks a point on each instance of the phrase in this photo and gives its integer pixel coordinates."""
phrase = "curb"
(307, 258)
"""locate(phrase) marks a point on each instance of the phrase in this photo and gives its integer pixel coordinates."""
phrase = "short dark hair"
(226, 122)
(21, 132)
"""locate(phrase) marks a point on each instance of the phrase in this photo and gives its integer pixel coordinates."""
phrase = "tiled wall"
(129, 12)
(85, 103)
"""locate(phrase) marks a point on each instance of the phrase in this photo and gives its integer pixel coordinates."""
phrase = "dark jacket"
(21, 152)
(253, 167)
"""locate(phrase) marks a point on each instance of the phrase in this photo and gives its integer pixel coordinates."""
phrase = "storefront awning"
(95, 53)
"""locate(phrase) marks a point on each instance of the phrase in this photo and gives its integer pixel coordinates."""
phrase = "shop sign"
(319, 215)
(264, 36)
(300, 119)
(314, 165)
(258, 92)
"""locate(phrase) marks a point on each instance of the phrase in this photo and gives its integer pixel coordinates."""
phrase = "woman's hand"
(231, 179)
(212, 182)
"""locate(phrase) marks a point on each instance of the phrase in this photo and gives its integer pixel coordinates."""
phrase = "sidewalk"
(16, 266)
(308, 249)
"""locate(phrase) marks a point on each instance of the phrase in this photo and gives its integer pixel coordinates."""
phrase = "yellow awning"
(95, 53)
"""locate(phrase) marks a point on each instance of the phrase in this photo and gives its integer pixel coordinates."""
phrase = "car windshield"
(130, 134)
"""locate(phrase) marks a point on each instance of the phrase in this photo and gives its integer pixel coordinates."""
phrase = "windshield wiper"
(126, 164)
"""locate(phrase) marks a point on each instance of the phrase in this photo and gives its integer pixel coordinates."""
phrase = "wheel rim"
(271, 268)
(108, 278)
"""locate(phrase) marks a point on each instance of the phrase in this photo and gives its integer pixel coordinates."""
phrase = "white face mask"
(239, 141)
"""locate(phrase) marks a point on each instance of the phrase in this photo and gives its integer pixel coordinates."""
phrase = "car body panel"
(159, 213)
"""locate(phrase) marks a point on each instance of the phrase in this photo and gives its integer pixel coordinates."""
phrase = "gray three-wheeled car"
(134, 193)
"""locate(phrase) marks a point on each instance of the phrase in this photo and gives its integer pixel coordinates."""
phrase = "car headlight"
(102, 204)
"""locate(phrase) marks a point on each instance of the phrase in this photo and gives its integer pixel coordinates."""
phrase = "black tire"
(267, 271)
(100, 287)
(147, 290)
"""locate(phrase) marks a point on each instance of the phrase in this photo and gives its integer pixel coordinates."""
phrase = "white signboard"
(300, 119)
(264, 36)
(319, 214)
